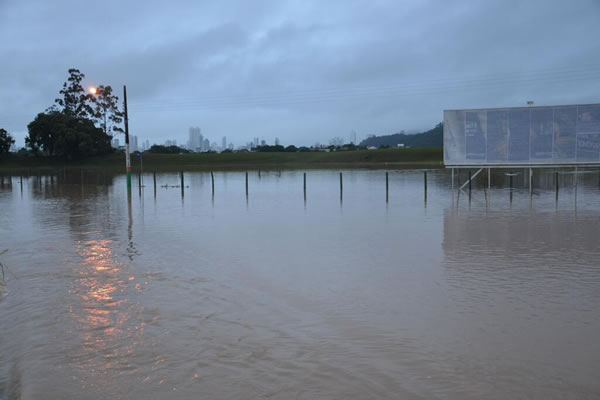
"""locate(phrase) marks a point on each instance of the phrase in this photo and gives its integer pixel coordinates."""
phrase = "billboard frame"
(537, 163)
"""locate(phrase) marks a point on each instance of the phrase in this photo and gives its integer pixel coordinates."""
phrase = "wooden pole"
(212, 183)
(530, 182)
(182, 183)
(469, 185)
(510, 184)
(387, 187)
(341, 187)
(154, 178)
(304, 186)
(425, 185)
(556, 184)
(246, 183)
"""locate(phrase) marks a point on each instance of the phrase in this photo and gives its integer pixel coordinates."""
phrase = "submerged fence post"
(556, 184)
(246, 183)
(154, 178)
(387, 187)
(469, 172)
(510, 184)
(182, 183)
(212, 183)
(304, 186)
(425, 185)
(21, 181)
(530, 182)
(341, 187)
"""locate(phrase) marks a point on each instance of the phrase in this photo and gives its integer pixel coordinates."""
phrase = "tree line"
(78, 125)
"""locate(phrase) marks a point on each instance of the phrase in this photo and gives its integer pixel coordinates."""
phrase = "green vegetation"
(78, 125)
(432, 138)
(6, 141)
(379, 158)
(160, 149)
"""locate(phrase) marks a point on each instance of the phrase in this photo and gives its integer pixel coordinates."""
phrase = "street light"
(93, 91)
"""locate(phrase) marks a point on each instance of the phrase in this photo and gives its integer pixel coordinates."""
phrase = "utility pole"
(127, 159)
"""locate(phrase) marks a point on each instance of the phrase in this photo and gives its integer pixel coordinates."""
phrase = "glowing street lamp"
(94, 91)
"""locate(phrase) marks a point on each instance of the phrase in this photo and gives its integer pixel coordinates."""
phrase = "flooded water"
(284, 296)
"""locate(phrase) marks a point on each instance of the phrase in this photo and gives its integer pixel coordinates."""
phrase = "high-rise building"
(115, 143)
(134, 143)
(195, 139)
(276, 141)
(224, 143)
(206, 145)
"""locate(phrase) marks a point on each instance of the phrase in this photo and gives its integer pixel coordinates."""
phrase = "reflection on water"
(268, 287)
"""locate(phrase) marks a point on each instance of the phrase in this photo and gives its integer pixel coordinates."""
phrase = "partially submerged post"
(182, 183)
(425, 185)
(556, 184)
(246, 183)
(154, 178)
(387, 187)
(212, 183)
(530, 182)
(469, 185)
(341, 187)
(510, 184)
(304, 186)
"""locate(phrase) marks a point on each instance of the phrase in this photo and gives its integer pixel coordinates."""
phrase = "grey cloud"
(303, 71)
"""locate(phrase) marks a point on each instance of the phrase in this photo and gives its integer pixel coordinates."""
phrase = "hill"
(431, 138)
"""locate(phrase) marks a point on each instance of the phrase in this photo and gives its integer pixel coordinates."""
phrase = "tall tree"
(58, 134)
(106, 111)
(6, 141)
(74, 101)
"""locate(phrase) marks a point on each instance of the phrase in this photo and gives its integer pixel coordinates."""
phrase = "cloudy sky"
(303, 71)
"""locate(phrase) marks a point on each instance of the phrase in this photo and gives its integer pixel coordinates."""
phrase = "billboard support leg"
(530, 182)
(471, 177)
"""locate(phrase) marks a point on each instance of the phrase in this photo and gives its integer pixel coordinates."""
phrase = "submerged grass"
(394, 158)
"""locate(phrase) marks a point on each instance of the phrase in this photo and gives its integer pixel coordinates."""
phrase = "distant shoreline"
(359, 159)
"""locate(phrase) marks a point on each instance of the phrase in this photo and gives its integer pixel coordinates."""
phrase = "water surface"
(280, 295)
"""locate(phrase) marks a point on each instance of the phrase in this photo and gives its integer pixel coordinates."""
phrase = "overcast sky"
(303, 71)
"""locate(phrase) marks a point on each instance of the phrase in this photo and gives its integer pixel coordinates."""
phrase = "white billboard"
(523, 136)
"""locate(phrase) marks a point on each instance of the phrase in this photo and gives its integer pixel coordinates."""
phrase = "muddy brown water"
(281, 297)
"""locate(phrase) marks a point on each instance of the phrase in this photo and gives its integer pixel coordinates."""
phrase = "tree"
(291, 149)
(105, 110)
(160, 149)
(74, 100)
(58, 134)
(6, 141)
